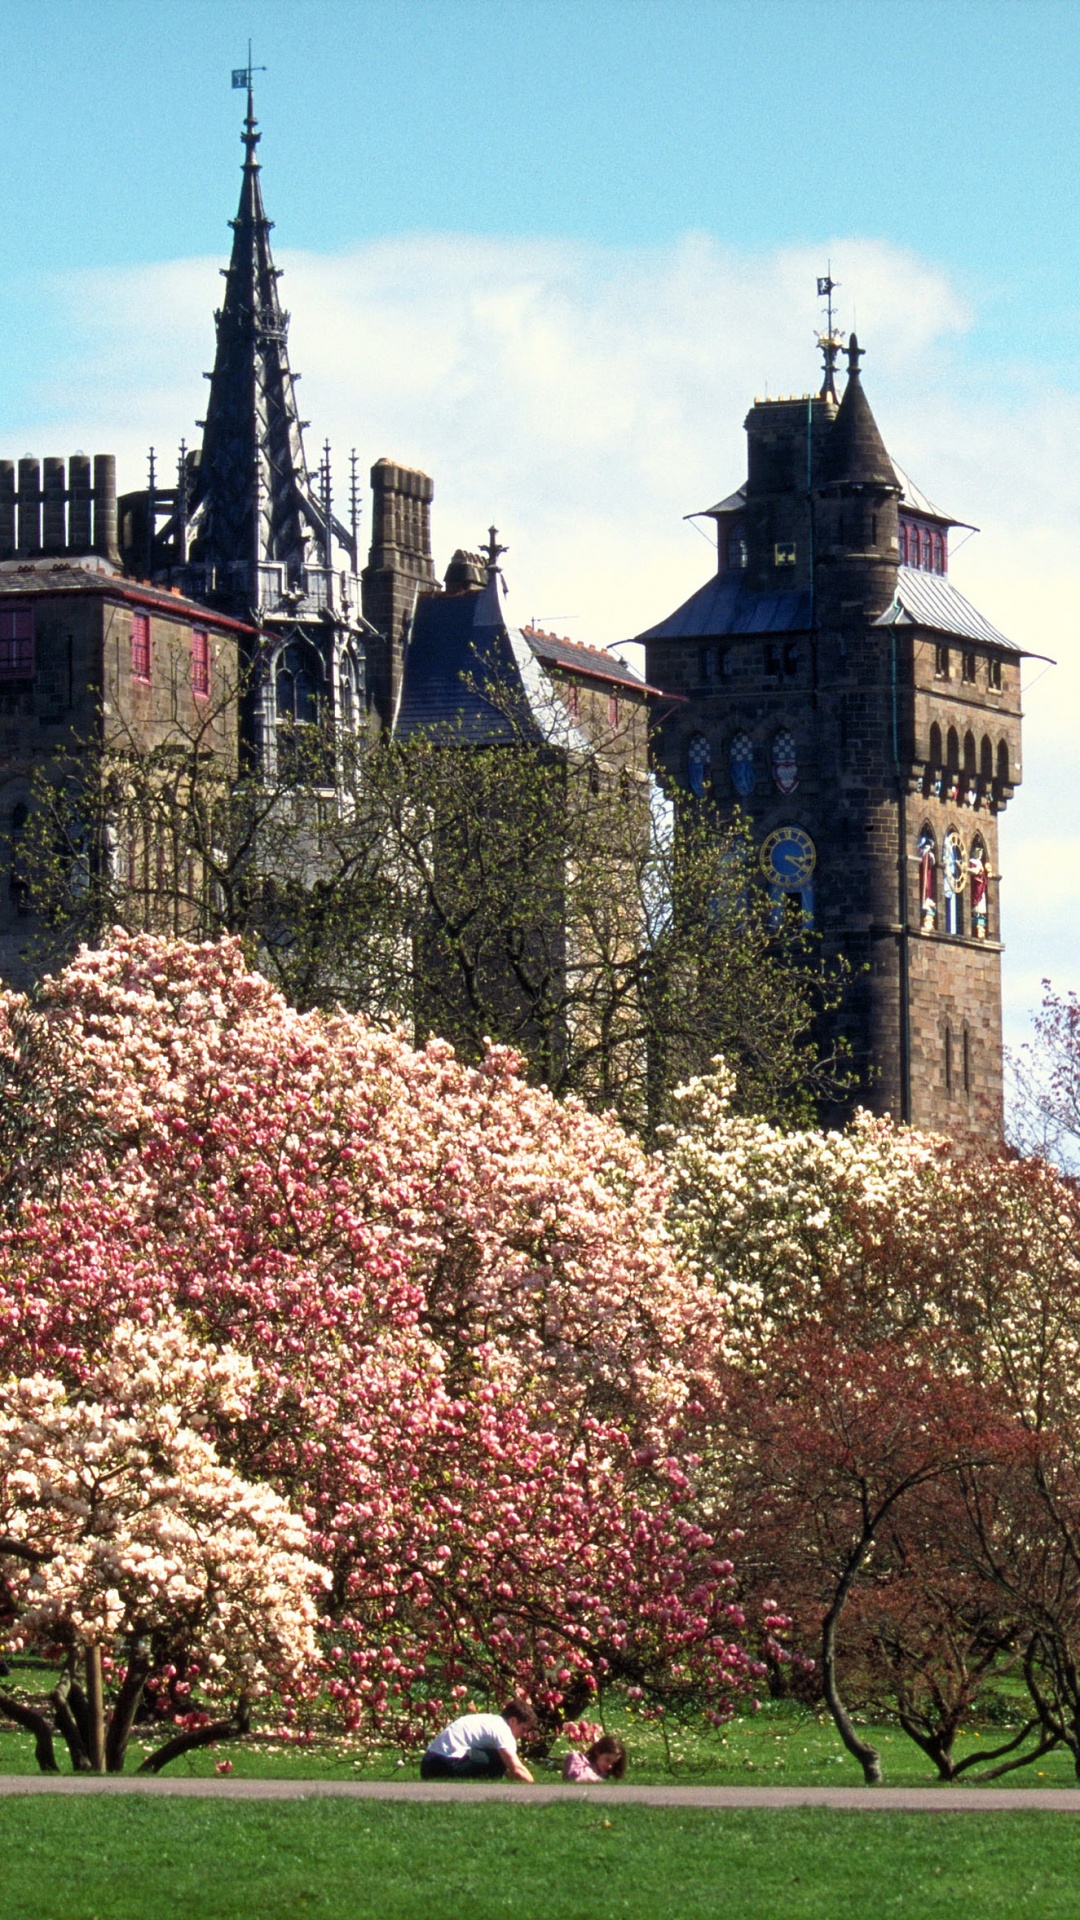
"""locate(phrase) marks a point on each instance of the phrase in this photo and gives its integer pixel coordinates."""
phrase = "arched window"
(18, 884)
(1003, 762)
(698, 765)
(939, 553)
(979, 878)
(926, 848)
(298, 690)
(969, 754)
(935, 745)
(785, 765)
(298, 685)
(986, 760)
(903, 543)
(926, 550)
(741, 764)
(954, 880)
(952, 751)
(349, 682)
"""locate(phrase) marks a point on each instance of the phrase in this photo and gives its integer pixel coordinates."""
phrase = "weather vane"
(831, 340)
(242, 76)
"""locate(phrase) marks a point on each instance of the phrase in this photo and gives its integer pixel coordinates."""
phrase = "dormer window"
(939, 553)
(941, 661)
(736, 549)
(969, 667)
(994, 673)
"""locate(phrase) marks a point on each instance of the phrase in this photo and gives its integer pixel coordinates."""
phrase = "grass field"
(102, 1859)
(780, 1746)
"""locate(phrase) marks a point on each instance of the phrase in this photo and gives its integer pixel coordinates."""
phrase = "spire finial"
(493, 551)
(245, 77)
(854, 355)
(831, 340)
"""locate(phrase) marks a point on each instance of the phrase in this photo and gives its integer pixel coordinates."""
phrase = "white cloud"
(586, 399)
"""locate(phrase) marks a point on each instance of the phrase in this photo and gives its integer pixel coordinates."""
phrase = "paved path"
(850, 1799)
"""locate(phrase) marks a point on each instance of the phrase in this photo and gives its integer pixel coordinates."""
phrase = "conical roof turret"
(854, 453)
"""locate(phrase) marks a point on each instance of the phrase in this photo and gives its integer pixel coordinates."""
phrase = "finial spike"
(493, 551)
(831, 340)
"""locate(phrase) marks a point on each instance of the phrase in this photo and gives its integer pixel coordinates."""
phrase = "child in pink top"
(604, 1760)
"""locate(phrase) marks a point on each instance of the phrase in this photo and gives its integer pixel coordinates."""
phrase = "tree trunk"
(867, 1756)
(123, 1716)
(95, 1702)
(233, 1729)
(35, 1723)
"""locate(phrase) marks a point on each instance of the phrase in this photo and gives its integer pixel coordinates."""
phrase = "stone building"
(840, 691)
(89, 656)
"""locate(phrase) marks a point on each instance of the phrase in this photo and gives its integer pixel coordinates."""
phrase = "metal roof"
(930, 600)
(724, 605)
(916, 501)
(732, 504)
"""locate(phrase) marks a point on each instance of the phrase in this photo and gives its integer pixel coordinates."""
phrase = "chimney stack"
(29, 505)
(80, 537)
(105, 528)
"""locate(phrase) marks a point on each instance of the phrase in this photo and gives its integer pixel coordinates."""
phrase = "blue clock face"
(788, 859)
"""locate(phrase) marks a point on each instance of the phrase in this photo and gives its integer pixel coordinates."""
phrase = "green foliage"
(545, 899)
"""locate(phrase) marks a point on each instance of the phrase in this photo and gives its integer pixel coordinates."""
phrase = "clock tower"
(841, 693)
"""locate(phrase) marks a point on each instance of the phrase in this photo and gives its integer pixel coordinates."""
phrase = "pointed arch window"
(939, 553)
(785, 763)
(698, 765)
(1003, 762)
(741, 764)
(986, 761)
(927, 550)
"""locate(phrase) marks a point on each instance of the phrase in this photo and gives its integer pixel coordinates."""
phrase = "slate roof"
(854, 451)
(725, 605)
(94, 576)
(573, 657)
(930, 600)
(459, 645)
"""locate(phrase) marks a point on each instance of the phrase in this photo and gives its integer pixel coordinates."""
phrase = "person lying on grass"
(604, 1760)
(481, 1746)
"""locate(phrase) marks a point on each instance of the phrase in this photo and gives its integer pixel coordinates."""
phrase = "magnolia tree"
(473, 1343)
(892, 1412)
(126, 1544)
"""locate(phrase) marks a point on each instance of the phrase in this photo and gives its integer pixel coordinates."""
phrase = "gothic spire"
(252, 503)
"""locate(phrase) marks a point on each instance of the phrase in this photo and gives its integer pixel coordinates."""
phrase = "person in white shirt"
(481, 1746)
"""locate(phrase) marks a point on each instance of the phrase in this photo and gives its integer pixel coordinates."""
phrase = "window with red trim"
(939, 553)
(903, 543)
(926, 551)
(17, 643)
(140, 646)
(200, 662)
(613, 709)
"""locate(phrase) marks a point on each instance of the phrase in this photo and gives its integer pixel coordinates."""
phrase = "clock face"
(788, 859)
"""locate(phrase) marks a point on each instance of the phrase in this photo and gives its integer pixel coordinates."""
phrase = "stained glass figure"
(785, 766)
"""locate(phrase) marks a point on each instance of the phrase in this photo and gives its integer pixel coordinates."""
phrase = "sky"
(551, 250)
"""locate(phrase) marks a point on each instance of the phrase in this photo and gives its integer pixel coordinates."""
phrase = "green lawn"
(101, 1859)
(782, 1746)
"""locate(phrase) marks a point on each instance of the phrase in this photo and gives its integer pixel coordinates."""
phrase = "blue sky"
(551, 251)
